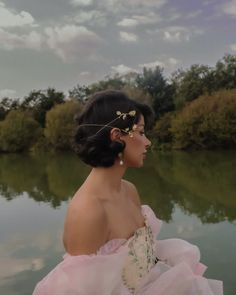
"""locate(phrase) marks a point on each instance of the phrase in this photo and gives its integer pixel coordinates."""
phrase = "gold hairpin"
(120, 115)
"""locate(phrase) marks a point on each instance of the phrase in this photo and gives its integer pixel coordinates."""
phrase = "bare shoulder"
(133, 192)
(86, 226)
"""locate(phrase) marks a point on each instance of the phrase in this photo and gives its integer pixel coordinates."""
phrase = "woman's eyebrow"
(141, 126)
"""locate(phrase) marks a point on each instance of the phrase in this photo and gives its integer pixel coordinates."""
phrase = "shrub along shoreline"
(194, 109)
(208, 122)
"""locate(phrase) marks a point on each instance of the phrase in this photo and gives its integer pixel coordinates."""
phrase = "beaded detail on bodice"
(141, 257)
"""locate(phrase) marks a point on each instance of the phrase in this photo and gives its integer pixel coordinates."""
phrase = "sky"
(62, 43)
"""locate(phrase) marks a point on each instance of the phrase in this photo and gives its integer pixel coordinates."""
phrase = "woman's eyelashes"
(142, 133)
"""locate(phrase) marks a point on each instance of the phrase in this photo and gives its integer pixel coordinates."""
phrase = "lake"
(193, 193)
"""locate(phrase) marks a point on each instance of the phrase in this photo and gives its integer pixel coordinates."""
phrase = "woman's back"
(93, 219)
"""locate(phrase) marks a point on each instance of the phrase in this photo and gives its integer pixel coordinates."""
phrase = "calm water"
(194, 193)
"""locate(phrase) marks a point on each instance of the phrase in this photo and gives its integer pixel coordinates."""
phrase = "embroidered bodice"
(141, 257)
(178, 272)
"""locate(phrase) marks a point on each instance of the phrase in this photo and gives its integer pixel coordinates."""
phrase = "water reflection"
(204, 183)
(201, 183)
(30, 243)
(49, 178)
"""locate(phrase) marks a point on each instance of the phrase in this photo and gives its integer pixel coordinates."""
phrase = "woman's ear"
(115, 134)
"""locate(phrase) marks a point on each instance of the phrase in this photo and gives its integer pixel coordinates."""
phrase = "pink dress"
(140, 265)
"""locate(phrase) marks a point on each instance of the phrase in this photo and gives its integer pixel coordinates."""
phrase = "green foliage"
(39, 102)
(202, 79)
(162, 130)
(138, 94)
(192, 83)
(18, 131)
(114, 82)
(207, 122)
(225, 73)
(6, 105)
(79, 93)
(60, 124)
(153, 82)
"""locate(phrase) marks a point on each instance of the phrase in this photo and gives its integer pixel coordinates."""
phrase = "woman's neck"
(108, 179)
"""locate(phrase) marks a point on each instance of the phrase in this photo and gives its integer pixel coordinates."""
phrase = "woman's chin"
(137, 164)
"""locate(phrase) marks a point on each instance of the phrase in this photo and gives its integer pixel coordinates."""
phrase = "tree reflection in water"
(200, 183)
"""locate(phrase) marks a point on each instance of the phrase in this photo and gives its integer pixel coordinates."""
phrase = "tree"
(60, 124)
(79, 93)
(225, 73)
(192, 83)
(6, 105)
(138, 94)
(18, 131)
(114, 82)
(153, 82)
(207, 122)
(40, 101)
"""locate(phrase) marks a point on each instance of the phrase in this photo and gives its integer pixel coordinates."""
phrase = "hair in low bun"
(91, 140)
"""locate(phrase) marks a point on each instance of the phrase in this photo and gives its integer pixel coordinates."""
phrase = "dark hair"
(92, 143)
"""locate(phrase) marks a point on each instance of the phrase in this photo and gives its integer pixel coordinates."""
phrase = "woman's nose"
(148, 143)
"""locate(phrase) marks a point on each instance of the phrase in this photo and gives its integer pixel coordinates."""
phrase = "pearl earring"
(120, 155)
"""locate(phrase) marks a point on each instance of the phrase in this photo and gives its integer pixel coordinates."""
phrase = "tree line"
(194, 108)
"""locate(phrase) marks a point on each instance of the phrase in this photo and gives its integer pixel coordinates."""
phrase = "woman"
(109, 237)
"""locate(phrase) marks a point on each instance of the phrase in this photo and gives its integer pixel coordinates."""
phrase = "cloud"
(193, 14)
(229, 8)
(92, 17)
(11, 266)
(179, 34)
(70, 42)
(10, 18)
(128, 22)
(7, 93)
(85, 73)
(173, 61)
(149, 18)
(122, 69)
(153, 64)
(10, 41)
(81, 2)
(136, 3)
(131, 6)
(233, 47)
(173, 15)
(168, 64)
(176, 34)
(135, 20)
(171, 64)
(208, 2)
(128, 37)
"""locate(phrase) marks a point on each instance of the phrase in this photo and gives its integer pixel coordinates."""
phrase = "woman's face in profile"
(136, 145)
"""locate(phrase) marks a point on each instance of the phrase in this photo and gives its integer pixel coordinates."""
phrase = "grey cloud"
(71, 42)
(10, 18)
(128, 37)
(81, 2)
(122, 69)
(233, 47)
(7, 93)
(10, 41)
(176, 34)
(116, 33)
(168, 63)
(229, 8)
(135, 20)
(92, 17)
